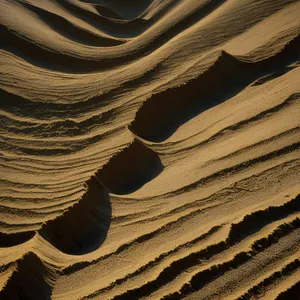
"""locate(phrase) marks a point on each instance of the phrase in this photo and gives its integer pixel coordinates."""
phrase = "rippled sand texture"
(150, 149)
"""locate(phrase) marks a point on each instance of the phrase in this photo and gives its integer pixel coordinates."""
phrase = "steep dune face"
(225, 78)
(149, 149)
(31, 279)
(8, 240)
(82, 228)
(130, 169)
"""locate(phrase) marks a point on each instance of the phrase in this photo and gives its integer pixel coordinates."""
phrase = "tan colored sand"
(149, 150)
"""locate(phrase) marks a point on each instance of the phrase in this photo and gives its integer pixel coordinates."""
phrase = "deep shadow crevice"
(83, 228)
(130, 169)
(161, 115)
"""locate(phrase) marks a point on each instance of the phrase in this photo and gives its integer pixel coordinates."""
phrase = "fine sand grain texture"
(149, 149)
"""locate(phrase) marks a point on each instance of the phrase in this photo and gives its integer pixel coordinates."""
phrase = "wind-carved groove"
(71, 127)
(13, 239)
(147, 236)
(130, 10)
(54, 60)
(273, 75)
(135, 27)
(239, 167)
(130, 169)
(163, 113)
(70, 31)
(290, 294)
(258, 289)
(44, 57)
(31, 279)
(123, 247)
(106, 12)
(205, 277)
(255, 221)
(157, 260)
(20, 105)
(113, 16)
(83, 228)
(118, 28)
(249, 225)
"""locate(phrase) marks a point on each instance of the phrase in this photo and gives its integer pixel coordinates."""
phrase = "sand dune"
(150, 149)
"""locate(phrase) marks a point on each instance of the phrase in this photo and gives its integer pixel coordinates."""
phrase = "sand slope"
(149, 150)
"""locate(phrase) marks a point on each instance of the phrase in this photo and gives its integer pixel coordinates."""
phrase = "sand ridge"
(149, 150)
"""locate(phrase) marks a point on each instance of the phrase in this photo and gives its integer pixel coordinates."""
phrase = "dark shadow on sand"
(162, 114)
